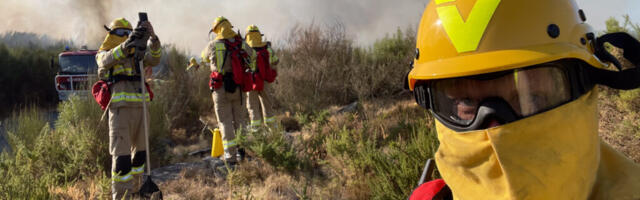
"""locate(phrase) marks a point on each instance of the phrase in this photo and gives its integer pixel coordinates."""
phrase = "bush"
(181, 98)
(322, 67)
(43, 158)
(274, 148)
(388, 160)
(26, 71)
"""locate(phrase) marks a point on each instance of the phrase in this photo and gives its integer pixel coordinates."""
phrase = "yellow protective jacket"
(114, 62)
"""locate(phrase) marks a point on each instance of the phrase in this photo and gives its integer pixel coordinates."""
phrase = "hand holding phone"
(144, 22)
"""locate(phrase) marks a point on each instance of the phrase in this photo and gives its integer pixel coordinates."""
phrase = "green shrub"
(26, 76)
(43, 158)
(390, 167)
(274, 148)
(21, 169)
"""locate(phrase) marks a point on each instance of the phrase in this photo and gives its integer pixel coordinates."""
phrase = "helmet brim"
(475, 64)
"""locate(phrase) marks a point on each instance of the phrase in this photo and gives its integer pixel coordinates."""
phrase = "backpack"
(239, 68)
(263, 63)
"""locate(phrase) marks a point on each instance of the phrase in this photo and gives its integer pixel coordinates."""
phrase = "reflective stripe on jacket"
(114, 62)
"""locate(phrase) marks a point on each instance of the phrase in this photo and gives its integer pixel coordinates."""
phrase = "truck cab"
(77, 69)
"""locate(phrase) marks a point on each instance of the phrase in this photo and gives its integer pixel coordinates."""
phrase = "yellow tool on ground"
(216, 144)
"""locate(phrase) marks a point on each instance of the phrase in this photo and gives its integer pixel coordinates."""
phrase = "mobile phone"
(143, 16)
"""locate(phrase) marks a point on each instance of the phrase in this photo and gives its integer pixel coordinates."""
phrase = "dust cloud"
(186, 23)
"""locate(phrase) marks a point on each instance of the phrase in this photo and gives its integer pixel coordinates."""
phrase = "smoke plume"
(186, 23)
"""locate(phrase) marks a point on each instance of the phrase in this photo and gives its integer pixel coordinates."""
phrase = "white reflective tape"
(270, 119)
(128, 97)
(228, 144)
(137, 170)
(256, 122)
(124, 178)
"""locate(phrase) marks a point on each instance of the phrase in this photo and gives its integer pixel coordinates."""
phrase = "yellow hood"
(224, 31)
(254, 39)
(552, 155)
(111, 41)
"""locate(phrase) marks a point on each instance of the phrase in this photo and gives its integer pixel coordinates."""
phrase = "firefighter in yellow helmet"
(117, 66)
(230, 79)
(263, 62)
(512, 87)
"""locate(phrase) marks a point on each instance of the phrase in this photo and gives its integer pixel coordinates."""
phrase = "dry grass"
(332, 176)
(619, 127)
(200, 184)
(251, 180)
(98, 187)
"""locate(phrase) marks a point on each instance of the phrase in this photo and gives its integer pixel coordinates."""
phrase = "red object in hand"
(428, 190)
(101, 93)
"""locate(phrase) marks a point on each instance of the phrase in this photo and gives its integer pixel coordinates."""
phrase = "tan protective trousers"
(231, 116)
(259, 105)
(126, 137)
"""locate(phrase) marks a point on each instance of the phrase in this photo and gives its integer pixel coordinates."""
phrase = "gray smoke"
(186, 23)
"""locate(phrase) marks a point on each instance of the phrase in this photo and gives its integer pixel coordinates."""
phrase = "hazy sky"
(598, 11)
(187, 24)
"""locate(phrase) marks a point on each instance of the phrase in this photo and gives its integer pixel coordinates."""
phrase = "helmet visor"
(121, 32)
(528, 91)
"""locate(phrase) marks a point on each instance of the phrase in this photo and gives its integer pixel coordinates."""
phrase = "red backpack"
(239, 66)
(264, 65)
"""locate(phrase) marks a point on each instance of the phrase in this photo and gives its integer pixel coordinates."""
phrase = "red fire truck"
(77, 70)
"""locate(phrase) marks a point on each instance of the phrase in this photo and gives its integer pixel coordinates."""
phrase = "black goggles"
(120, 32)
(475, 102)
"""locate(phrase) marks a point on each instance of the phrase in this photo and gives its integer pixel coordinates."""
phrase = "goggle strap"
(421, 95)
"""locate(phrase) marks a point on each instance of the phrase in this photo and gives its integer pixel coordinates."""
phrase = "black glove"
(129, 45)
(626, 42)
(623, 79)
(137, 40)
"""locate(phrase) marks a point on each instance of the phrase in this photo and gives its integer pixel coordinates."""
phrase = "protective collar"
(552, 155)
(111, 41)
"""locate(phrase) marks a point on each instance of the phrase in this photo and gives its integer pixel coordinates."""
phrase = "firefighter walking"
(263, 60)
(230, 79)
(116, 65)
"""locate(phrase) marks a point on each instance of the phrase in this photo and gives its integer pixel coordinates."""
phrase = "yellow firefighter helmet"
(459, 38)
